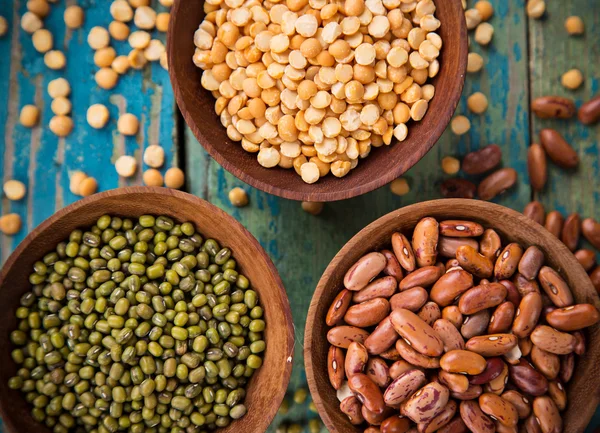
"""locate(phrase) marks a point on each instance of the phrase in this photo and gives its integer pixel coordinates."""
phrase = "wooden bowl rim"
(325, 284)
(321, 194)
(123, 193)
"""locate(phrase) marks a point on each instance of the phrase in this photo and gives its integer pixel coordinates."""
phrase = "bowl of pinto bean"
(453, 316)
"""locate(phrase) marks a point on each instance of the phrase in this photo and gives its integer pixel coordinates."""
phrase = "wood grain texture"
(43, 161)
(582, 391)
(266, 388)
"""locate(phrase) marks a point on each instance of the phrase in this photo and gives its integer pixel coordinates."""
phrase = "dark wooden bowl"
(584, 388)
(381, 167)
(266, 389)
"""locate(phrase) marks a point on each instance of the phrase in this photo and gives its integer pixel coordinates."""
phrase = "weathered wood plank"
(554, 52)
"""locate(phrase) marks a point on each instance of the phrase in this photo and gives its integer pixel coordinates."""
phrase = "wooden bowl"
(583, 389)
(381, 167)
(266, 388)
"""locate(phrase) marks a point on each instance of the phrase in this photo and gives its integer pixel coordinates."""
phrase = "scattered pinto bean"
(430, 313)
(447, 246)
(555, 287)
(595, 277)
(458, 188)
(404, 386)
(571, 231)
(586, 258)
(475, 419)
(558, 149)
(482, 160)
(497, 183)
(555, 107)
(589, 113)
(537, 166)
(535, 211)
(591, 231)
(554, 223)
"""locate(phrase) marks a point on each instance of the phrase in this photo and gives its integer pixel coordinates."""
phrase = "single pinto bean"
(547, 415)
(378, 371)
(394, 424)
(335, 367)
(399, 367)
(497, 183)
(440, 420)
(458, 188)
(364, 270)
(382, 338)
(555, 107)
(422, 277)
(502, 318)
(342, 336)
(338, 308)
(528, 379)
(403, 251)
(558, 394)
(450, 286)
(447, 246)
(351, 407)
(499, 409)
(589, 113)
(454, 382)
(497, 385)
(476, 324)
(430, 313)
(490, 244)
(481, 297)
(415, 358)
(473, 392)
(492, 345)
(558, 149)
(380, 288)
(449, 335)
(531, 262)
(508, 261)
(471, 261)
(483, 160)
(493, 369)
(463, 362)
(525, 286)
(368, 313)
(453, 315)
(519, 401)
(527, 315)
(460, 229)
(425, 240)
(573, 318)
(367, 392)
(586, 258)
(554, 223)
(535, 211)
(532, 425)
(547, 363)
(417, 333)
(571, 231)
(392, 267)
(356, 359)
(475, 419)
(391, 354)
(537, 167)
(567, 367)
(555, 287)
(553, 341)
(411, 299)
(591, 231)
(404, 386)
(427, 403)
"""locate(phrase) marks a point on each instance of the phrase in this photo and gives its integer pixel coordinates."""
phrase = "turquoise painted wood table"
(525, 60)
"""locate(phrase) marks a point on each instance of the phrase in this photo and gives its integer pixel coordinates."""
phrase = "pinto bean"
(376, 418)
(351, 407)
(558, 394)
(553, 341)
(473, 392)
(395, 424)
(411, 299)
(404, 386)
(356, 359)
(471, 261)
(497, 385)
(524, 285)
(391, 354)
(554, 223)
(382, 338)
(492, 345)
(380, 288)
(497, 183)
(392, 267)
(571, 231)
(453, 315)
(415, 358)
(547, 415)
(440, 420)
(502, 318)
(430, 313)
(422, 277)
(447, 246)
(475, 419)
(481, 297)
(463, 362)
(525, 377)
(499, 409)
(459, 228)
(399, 367)
(586, 258)
(482, 160)
(591, 231)
(508, 261)
(367, 392)
(476, 324)
(450, 286)
(425, 240)
(335, 367)
(342, 336)
(589, 113)
(368, 313)
(574, 317)
(403, 251)
(454, 382)
(493, 369)
(519, 401)
(558, 149)
(449, 335)
(531, 262)
(364, 270)
(525, 346)
(490, 244)
(458, 188)
(512, 293)
(547, 363)
(378, 371)
(528, 314)
(555, 287)
(532, 425)
(338, 308)
(427, 403)
(537, 167)
(555, 107)
(417, 333)
(567, 367)
(535, 211)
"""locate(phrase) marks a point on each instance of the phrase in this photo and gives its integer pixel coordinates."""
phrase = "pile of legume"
(315, 84)
(140, 327)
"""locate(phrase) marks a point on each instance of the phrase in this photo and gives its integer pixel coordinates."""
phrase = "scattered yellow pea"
(152, 177)
(477, 103)
(10, 224)
(74, 16)
(3, 26)
(572, 79)
(312, 207)
(126, 166)
(88, 186)
(42, 40)
(106, 78)
(14, 189)
(30, 116)
(59, 87)
(238, 197)
(460, 125)
(39, 7)
(61, 125)
(97, 116)
(30, 22)
(400, 186)
(574, 25)
(118, 30)
(162, 21)
(128, 124)
(120, 65)
(174, 178)
(61, 106)
(55, 59)
(450, 165)
(98, 38)
(75, 181)
(154, 156)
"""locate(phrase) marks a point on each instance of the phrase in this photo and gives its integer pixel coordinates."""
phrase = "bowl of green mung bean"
(142, 310)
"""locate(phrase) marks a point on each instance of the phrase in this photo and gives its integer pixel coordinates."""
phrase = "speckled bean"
(455, 382)
(429, 313)
(367, 392)
(523, 285)
(404, 386)
(499, 409)
(553, 341)
(554, 223)
(527, 314)
(528, 379)
(475, 325)
(335, 367)
(453, 315)
(392, 267)
(502, 318)
(456, 425)
(531, 262)
(404, 251)
(493, 369)
(399, 367)
(351, 407)
(498, 384)
(342, 336)
(547, 415)
(411, 299)
(490, 244)
(378, 371)
(473, 392)
(547, 363)
(425, 240)
(364, 270)
(492, 345)
(555, 287)
(475, 419)
(460, 228)
(415, 358)
(395, 424)
(422, 277)
(382, 338)
(449, 335)
(450, 286)
(417, 333)
(440, 420)
(447, 245)
(474, 262)
(567, 367)
(463, 362)
(379, 288)
(508, 261)
(338, 308)
(356, 359)
(481, 297)
(558, 394)
(512, 293)
(574, 317)
(427, 403)
(368, 313)
(519, 401)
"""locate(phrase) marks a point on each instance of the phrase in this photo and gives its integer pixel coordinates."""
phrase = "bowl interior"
(583, 390)
(381, 167)
(267, 387)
